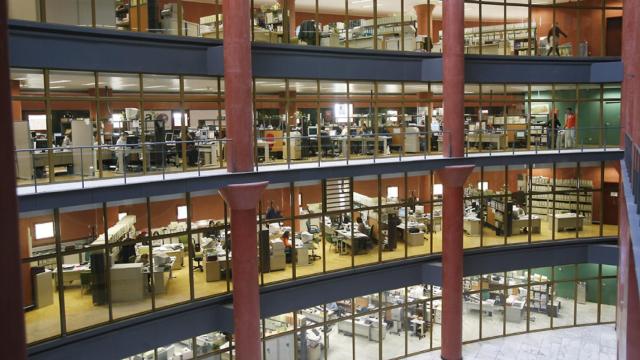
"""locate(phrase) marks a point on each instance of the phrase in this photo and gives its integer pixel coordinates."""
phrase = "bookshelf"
(580, 197)
(509, 39)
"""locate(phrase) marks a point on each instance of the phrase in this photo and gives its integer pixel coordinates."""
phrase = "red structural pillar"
(242, 200)
(238, 82)
(424, 13)
(453, 78)
(453, 178)
(11, 311)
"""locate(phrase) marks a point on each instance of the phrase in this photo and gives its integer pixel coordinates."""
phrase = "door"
(610, 203)
(614, 36)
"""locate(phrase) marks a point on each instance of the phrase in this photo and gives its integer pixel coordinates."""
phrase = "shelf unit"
(542, 204)
(492, 40)
(391, 30)
(540, 297)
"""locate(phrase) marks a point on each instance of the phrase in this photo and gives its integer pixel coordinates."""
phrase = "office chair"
(197, 256)
(312, 229)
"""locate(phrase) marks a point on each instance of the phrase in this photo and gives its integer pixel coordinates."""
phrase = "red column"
(425, 18)
(238, 81)
(11, 311)
(453, 178)
(290, 7)
(633, 312)
(242, 201)
(453, 78)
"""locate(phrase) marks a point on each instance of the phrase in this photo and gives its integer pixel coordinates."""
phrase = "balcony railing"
(121, 163)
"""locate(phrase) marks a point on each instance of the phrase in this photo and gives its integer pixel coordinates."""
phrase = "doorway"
(610, 196)
(614, 36)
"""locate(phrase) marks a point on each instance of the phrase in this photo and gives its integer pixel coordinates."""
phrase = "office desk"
(364, 142)
(212, 270)
(567, 221)
(472, 226)
(161, 276)
(346, 239)
(412, 238)
(127, 282)
(211, 153)
(60, 158)
(435, 222)
(265, 148)
(518, 225)
(367, 327)
(175, 251)
(499, 140)
(71, 273)
(418, 327)
(488, 306)
(514, 311)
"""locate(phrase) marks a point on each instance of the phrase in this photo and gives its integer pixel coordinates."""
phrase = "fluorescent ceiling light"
(59, 82)
(154, 87)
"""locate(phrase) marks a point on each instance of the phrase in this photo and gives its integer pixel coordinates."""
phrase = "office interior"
(69, 125)
(406, 321)
(510, 27)
(169, 250)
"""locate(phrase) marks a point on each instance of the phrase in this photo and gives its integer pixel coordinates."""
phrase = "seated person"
(285, 239)
(361, 226)
(144, 259)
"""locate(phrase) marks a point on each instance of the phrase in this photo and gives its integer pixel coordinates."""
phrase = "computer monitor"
(58, 139)
(41, 143)
(168, 137)
(313, 131)
(132, 140)
(520, 134)
(353, 132)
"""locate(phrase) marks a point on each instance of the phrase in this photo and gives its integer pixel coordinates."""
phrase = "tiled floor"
(587, 342)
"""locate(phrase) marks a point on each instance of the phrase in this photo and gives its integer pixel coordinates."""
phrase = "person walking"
(553, 38)
(570, 129)
(553, 125)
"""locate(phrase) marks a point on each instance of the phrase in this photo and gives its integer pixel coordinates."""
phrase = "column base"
(443, 358)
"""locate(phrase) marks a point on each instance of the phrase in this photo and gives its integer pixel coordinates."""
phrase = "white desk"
(567, 221)
(364, 326)
(347, 239)
(412, 238)
(265, 146)
(518, 224)
(71, 273)
(472, 226)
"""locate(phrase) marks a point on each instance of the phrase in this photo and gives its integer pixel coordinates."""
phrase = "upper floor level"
(581, 28)
(75, 126)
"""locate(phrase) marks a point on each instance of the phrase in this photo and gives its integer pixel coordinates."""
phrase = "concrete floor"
(587, 342)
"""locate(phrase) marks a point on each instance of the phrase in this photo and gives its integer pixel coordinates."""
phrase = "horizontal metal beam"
(71, 196)
(145, 332)
(36, 45)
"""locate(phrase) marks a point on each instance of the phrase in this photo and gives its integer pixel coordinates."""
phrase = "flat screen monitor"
(41, 144)
(168, 137)
(37, 122)
(313, 131)
(520, 134)
(132, 140)
(58, 139)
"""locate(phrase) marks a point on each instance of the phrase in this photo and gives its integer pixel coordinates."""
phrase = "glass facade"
(407, 321)
(504, 27)
(124, 258)
(71, 126)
